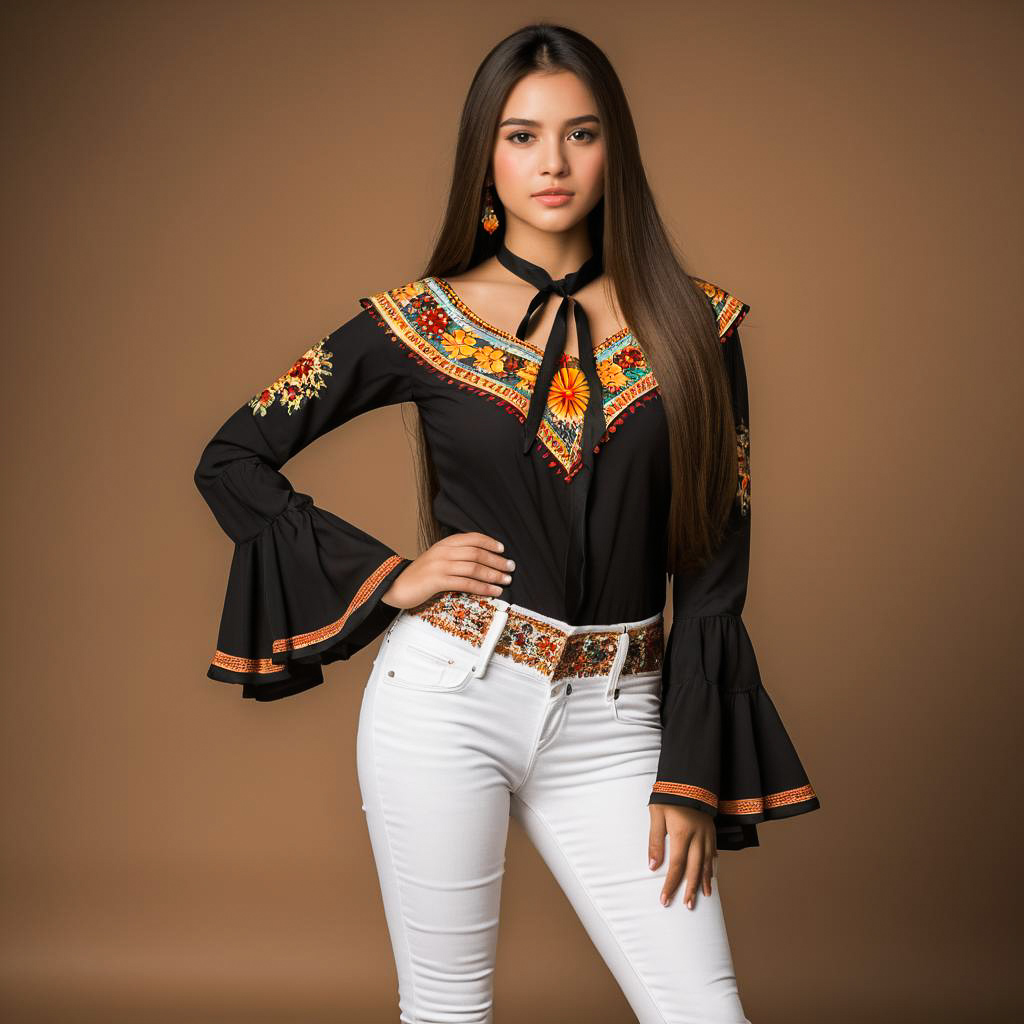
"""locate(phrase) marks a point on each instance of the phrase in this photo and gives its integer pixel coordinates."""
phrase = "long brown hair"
(669, 316)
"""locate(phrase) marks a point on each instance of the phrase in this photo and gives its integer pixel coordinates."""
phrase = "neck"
(558, 252)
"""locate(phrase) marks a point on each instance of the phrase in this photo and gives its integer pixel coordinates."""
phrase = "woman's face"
(549, 137)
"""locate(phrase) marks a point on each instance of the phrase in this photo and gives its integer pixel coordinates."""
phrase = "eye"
(586, 131)
(514, 135)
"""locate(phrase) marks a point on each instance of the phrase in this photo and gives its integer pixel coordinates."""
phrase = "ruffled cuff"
(304, 592)
(725, 749)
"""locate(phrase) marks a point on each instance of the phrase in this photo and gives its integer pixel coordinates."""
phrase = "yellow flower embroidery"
(490, 359)
(408, 292)
(528, 375)
(459, 344)
(611, 375)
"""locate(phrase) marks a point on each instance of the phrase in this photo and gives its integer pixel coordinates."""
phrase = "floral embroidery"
(528, 375)
(429, 317)
(540, 645)
(433, 321)
(489, 359)
(743, 458)
(729, 310)
(299, 384)
(408, 291)
(459, 343)
(569, 393)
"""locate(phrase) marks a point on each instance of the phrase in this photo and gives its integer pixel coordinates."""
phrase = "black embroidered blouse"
(304, 586)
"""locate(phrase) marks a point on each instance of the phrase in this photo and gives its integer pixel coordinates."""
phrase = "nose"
(552, 160)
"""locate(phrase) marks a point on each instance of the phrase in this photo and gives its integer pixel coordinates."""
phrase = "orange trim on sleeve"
(749, 805)
(264, 666)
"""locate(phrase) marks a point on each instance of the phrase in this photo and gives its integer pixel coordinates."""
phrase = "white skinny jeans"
(446, 752)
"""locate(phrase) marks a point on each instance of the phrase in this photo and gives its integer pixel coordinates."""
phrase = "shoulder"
(396, 297)
(729, 310)
(396, 308)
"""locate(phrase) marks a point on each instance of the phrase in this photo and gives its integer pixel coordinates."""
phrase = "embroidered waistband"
(541, 645)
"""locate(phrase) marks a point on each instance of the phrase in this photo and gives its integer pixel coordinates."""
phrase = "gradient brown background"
(194, 193)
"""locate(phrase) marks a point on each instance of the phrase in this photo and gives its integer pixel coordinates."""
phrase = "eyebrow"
(536, 124)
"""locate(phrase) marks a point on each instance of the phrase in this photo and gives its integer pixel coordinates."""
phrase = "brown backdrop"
(194, 193)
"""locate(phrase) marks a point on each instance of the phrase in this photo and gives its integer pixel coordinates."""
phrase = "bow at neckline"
(574, 572)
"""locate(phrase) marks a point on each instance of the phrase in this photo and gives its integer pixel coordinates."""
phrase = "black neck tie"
(574, 572)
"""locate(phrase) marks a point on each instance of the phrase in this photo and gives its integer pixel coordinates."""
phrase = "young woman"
(567, 464)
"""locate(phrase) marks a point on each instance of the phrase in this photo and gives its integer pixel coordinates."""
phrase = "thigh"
(436, 808)
(585, 809)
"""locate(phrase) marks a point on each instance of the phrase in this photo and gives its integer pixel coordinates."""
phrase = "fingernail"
(501, 547)
(664, 900)
(652, 863)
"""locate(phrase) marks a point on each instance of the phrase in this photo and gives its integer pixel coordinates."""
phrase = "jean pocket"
(637, 700)
(412, 667)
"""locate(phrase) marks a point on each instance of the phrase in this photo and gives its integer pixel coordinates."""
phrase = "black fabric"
(725, 750)
(513, 446)
(574, 570)
(304, 585)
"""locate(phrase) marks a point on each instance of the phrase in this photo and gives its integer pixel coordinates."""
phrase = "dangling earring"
(489, 218)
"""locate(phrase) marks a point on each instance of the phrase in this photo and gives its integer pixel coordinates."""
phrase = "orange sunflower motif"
(569, 393)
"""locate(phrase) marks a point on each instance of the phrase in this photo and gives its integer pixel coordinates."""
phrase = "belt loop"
(392, 625)
(620, 659)
(494, 629)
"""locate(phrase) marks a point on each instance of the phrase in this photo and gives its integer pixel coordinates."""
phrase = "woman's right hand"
(471, 562)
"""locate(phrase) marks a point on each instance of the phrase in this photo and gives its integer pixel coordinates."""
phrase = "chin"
(558, 218)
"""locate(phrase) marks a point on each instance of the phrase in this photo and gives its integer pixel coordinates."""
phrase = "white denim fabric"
(452, 740)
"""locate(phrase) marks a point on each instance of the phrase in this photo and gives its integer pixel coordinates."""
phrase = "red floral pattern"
(303, 381)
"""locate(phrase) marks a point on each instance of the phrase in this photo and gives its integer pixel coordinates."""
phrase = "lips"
(553, 198)
(553, 192)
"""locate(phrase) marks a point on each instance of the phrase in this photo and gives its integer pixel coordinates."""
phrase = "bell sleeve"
(725, 750)
(304, 586)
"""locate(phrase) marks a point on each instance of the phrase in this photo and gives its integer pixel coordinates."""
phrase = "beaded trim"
(539, 644)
